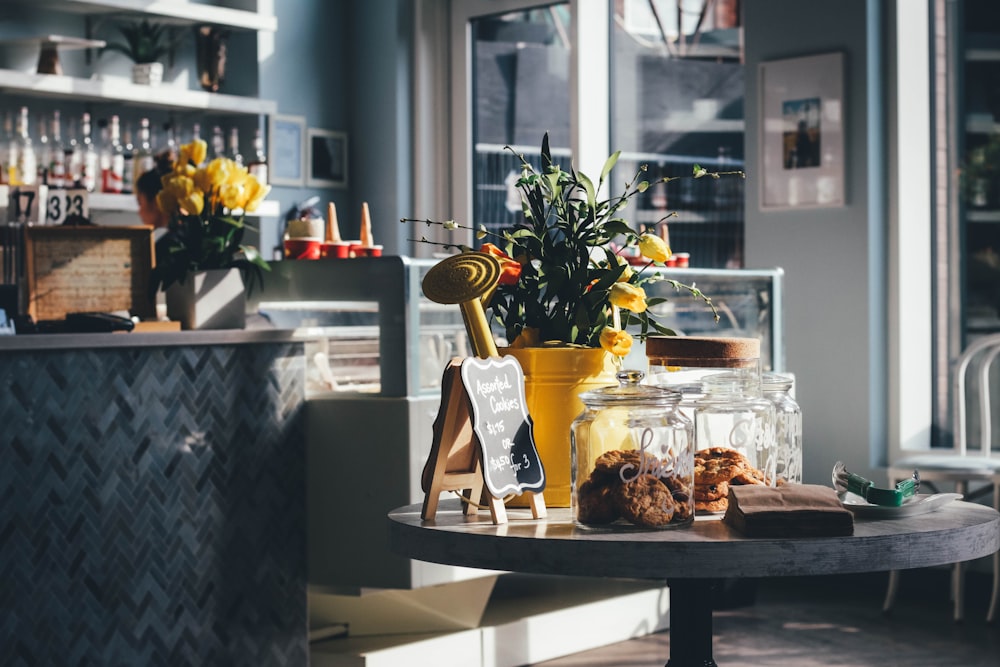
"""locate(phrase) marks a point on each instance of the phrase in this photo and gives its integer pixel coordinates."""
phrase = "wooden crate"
(88, 269)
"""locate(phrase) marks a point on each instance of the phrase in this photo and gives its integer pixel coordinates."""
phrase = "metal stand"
(691, 602)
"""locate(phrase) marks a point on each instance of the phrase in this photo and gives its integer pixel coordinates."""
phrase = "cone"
(332, 228)
(366, 227)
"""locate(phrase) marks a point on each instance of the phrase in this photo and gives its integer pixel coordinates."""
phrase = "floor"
(807, 622)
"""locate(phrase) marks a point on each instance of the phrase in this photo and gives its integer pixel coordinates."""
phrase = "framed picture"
(802, 132)
(327, 159)
(286, 150)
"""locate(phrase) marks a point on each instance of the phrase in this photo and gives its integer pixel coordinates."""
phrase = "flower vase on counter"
(213, 299)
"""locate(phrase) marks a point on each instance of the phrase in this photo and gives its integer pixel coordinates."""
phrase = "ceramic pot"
(147, 74)
(553, 380)
(214, 299)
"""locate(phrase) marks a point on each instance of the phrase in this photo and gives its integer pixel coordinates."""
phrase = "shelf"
(172, 11)
(982, 55)
(983, 215)
(119, 90)
(126, 204)
(977, 124)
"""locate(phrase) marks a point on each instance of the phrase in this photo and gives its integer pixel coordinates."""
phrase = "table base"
(691, 602)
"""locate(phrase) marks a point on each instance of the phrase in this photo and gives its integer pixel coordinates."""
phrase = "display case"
(375, 352)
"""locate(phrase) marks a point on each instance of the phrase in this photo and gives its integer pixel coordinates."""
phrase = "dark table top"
(958, 531)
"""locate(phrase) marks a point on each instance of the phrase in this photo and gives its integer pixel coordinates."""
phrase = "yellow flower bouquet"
(565, 278)
(207, 204)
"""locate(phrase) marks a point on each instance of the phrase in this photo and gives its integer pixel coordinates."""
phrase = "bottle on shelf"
(90, 165)
(44, 152)
(103, 153)
(9, 148)
(113, 177)
(74, 157)
(218, 143)
(128, 160)
(166, 155)
(195, 132)
(27, 161)
(258, 165)
(234, 146)
(57, 163)
(143, 150)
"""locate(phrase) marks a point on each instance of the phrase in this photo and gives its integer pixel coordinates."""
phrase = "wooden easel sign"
(483, 439)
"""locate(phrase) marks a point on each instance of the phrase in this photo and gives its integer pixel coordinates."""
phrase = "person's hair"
(150, 184)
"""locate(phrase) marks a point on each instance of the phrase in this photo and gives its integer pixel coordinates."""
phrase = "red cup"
(303, 248)
(335, 250)
(671, 261)
(366, 251)
(683, 260)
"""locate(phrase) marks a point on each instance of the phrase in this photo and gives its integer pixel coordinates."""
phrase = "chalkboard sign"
(502, 425)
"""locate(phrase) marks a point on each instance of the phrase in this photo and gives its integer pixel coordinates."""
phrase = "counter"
(154, 499)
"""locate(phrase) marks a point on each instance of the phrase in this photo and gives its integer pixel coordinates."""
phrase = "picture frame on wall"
(327, 159)
(286, 150)
(802, 113)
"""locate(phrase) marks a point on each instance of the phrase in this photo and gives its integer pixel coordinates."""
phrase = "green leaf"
(609, 164)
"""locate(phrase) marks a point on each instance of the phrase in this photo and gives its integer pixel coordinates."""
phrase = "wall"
(835, 295)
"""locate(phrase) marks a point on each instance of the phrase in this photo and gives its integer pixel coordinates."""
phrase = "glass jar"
(632, 458)
(682, 363)
(734, 440)
(787, 427)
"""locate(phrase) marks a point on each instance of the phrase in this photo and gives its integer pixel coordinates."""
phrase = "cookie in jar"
(633, 458)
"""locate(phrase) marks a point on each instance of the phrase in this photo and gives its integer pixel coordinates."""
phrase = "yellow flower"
(654, 248)
(193, 203)
(627, 274)
(628, 297)
(231, 195)
(192, 154)
(254, 192)
(616, 341)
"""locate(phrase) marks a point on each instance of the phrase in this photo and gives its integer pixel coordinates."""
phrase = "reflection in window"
(677, 100)
(520, 92)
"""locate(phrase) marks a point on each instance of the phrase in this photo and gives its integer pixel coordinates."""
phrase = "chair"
(960, 464)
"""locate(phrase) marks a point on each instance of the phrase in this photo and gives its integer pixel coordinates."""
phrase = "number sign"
(23, 205)
(502, 425)
(61, 204)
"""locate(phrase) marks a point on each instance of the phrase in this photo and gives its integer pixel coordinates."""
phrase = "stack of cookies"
(715, 470)
(636, 487)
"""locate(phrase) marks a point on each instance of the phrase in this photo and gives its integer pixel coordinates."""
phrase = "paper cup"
(683, 260)
(366, 251)
(303, 248)
(335, 250)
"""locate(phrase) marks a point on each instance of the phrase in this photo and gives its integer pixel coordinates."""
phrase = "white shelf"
(983, 215)
(982, 55)
(127, 204)
(174, 11)
(164, 96)
(979, 125)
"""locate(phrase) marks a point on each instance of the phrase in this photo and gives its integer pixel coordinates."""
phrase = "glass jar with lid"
(734, 440)
(632, 458)
(777, 388)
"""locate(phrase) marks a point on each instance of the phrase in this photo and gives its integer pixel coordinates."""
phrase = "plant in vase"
(568, 295)
(146, 44)
(207, 205)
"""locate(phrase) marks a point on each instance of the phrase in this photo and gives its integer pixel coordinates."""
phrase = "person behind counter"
(147, 187)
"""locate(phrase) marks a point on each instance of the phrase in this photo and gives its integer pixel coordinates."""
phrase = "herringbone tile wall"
(152, 506)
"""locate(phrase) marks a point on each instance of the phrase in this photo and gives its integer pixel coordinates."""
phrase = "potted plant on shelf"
(203, 254)
(568, 291)
(145, 44)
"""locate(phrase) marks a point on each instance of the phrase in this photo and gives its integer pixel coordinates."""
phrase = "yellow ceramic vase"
(554, 378)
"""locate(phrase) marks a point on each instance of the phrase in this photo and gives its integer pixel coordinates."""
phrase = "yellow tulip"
(231, 196)
(627, 273)
(616, 341)
(628, 296)
(167, 202)
(193, 203)
(654, 248)
(255, 194)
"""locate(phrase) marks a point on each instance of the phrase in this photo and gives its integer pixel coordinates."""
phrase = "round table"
(690, 559)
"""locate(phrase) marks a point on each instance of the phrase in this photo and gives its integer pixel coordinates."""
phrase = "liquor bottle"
(234, 146)
(27, 162)
(143, 150)
(218, 143)
(195, 132)
(128, 160)
(57, 164)
(9, 149)
(44, 152)
(258, 166)
(114, 175)
(103, 154)
(74, 157)
(166, 155)
(90, 162)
